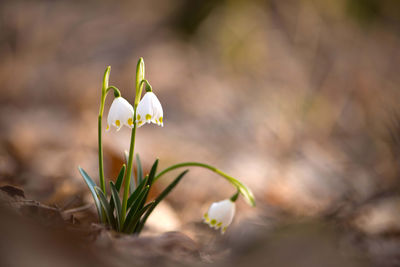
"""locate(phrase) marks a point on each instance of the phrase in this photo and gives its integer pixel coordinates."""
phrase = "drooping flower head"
(220, 214)
(121, 113)
(149, 110)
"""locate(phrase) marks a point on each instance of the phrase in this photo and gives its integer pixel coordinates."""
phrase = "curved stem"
(184, 164)
(235, 196)
(244, 190)
(148, 86)
(117, 93)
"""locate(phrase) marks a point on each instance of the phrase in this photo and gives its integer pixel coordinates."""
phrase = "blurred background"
(298, 99)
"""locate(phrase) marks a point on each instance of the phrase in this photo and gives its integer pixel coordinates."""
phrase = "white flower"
(121, 113)
(220, 214)
(149, 110)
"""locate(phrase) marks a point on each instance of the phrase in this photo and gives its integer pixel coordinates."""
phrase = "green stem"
(184, 164)
(104, 93)
(101, 167)
(129, 170)
(244, 190)
(99, 132)
(148, 86)
(138, 85)
(235, 196)
(117, 93)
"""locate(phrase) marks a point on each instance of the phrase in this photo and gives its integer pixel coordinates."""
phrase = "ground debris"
(108, 246)
(13, 191)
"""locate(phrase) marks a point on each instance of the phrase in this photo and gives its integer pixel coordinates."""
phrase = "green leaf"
(118, 184)
(150, 181)
(120, 178)
(91, 184)
(136, 193)
(132, 185)
(135, 207)
(152, 173)
(135, 220)
(117, 204)
(139, 175)
(160, 197)
(106, 206)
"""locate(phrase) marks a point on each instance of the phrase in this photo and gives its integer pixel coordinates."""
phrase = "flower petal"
(149, 110)
(120, 113)
(220, 214)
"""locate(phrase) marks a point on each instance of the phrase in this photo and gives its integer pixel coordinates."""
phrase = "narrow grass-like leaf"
(136, 193)
(118, 184)
(135, 207)
(150, 181)
(106, 206)
(152, 173)
(91, 184)
(120, 178)
(117, 204)
(132, 184)
(139, 173)
(160, 197)
(135, 220)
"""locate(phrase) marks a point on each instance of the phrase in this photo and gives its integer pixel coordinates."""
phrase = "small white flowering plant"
(129, 214)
